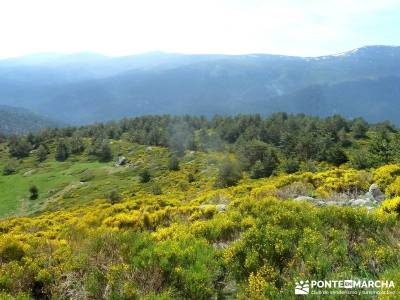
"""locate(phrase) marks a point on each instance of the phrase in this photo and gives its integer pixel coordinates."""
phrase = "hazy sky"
(119, 27)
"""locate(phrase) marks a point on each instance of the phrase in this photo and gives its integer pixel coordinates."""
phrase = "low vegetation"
(209, 212)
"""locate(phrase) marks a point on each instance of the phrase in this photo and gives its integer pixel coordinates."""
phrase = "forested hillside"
(17, 120)
(165, 207)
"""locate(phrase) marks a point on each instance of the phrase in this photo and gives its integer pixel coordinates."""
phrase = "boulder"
(376, 193)
(304, 198)
(121, 161)
(360, 202)
(221, 207)
(332, 203)
(29, 173)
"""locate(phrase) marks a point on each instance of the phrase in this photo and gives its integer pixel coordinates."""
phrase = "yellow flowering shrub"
(385, 175)
(391, 205)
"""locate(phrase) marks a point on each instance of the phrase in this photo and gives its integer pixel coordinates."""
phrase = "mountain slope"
(374, 99)
(87, 88)
(17, 120)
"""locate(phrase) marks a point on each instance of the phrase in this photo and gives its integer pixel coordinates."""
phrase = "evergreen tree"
(19, 147)
(359, 128)
(266, 166)
(104, 154)
(42, 153)
(77, 145)
(336, 156)
(61, 151)
(290, 165)
(229, 173)
(173, 164)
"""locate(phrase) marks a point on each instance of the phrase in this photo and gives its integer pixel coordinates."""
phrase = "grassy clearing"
(50, 179)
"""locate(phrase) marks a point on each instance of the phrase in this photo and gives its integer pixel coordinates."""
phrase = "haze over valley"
(85, 88)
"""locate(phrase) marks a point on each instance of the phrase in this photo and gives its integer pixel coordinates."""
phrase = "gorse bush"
(260, 246)
(202, 208)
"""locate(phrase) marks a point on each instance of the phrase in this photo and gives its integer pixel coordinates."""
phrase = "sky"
(122, 27)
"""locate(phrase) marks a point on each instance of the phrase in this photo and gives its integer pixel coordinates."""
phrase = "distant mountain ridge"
(85, 88)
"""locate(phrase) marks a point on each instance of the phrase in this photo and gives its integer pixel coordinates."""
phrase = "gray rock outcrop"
(121, 161)
(376, 193)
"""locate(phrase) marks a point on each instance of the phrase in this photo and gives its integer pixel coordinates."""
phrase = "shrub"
(173, 164)
(34, 192)
(360, 159)
(77, 145)
(114, 197)
(191, 178)
(11, 251)
(156, 189)
(392, 205)
(145, 176)
(104, 154)
(9, 168)
(228, 174)
(385, 175)
(290, 166)
(336, 156)
(19, 147)
(295, 189)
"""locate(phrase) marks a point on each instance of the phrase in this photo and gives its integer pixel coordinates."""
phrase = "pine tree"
(61, 151)
(173, 164)
(229, 174)
(34, 192)
(104, 154)
(77, 145)
(41, 153)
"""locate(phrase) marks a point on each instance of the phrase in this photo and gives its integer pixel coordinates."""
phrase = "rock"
(121, 161)
(29, 173)
(221, 207)
(304, 198)
(149, 148)
(376, 193)
(359, 202)
(331, 203)
(230, 290)
(221, 245)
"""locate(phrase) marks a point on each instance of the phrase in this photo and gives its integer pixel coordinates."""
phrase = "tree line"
(259, 143)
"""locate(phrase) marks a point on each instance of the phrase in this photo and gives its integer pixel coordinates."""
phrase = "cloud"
(296, 27)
